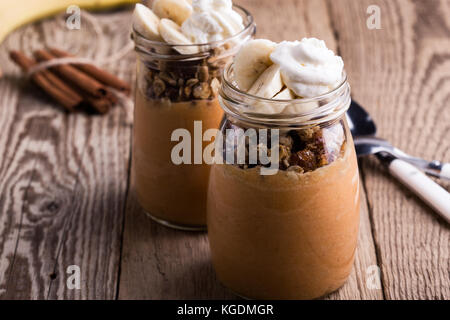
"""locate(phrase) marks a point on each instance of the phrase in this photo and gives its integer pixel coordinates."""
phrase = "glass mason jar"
(284, 228)
(177, 87)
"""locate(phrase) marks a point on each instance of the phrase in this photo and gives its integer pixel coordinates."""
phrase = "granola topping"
(302, 150)
(180, 81)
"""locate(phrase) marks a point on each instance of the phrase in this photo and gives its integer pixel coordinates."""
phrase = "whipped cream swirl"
(308, 67)
(212, 20)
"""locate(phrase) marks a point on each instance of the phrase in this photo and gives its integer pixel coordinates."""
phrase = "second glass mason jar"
(177, 87)
(290, 234)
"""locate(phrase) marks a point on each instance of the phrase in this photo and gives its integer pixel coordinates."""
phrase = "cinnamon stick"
(60, 84)
(101, 105)
(99, 74)
(70, 73)
(48, 82)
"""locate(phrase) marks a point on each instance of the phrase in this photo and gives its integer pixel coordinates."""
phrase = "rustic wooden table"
(65, 192)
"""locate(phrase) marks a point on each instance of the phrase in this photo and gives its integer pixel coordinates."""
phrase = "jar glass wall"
(177, 85)
(290, 233)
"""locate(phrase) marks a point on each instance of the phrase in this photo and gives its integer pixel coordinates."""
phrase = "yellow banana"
(14, 14)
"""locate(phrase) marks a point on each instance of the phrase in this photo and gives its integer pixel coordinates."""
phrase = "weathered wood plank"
(161, 263)
(175, 264)
(400, 73)
(357, 287)
(63, 177)
(56, 163)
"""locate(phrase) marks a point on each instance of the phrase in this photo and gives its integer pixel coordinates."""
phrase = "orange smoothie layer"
(285, 236)
(174, 193)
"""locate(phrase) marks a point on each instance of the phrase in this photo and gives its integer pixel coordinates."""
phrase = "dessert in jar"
(181, 51)
(284, 226)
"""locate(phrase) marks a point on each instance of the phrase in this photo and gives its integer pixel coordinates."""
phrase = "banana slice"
(268, 84)
(175, 10)
(230, 21)
(171, 33)
(285, 94)
(273, 108)
(300, 107)
(146, 22)
(266, 108)
(251, 61)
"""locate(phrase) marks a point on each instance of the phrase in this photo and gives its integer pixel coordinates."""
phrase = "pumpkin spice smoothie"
(182, 49)
(172, 192)
(290, 234)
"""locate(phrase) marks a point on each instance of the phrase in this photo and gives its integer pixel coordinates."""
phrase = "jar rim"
(250, 26)
(332, 104)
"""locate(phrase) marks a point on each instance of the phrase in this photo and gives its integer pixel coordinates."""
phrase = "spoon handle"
(434, 168)
(445, 171)
(429, 191)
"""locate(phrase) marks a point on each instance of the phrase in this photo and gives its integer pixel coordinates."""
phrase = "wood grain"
(63, 177)
(175, 264)
(171, 264)
(401, 74)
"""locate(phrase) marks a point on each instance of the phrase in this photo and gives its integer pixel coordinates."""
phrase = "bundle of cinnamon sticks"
(73, 85)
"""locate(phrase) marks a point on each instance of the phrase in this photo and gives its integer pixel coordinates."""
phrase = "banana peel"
(14, 14)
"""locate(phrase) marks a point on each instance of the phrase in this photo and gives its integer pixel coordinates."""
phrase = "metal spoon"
(364, 129)
(373, 145)
(400, 165)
